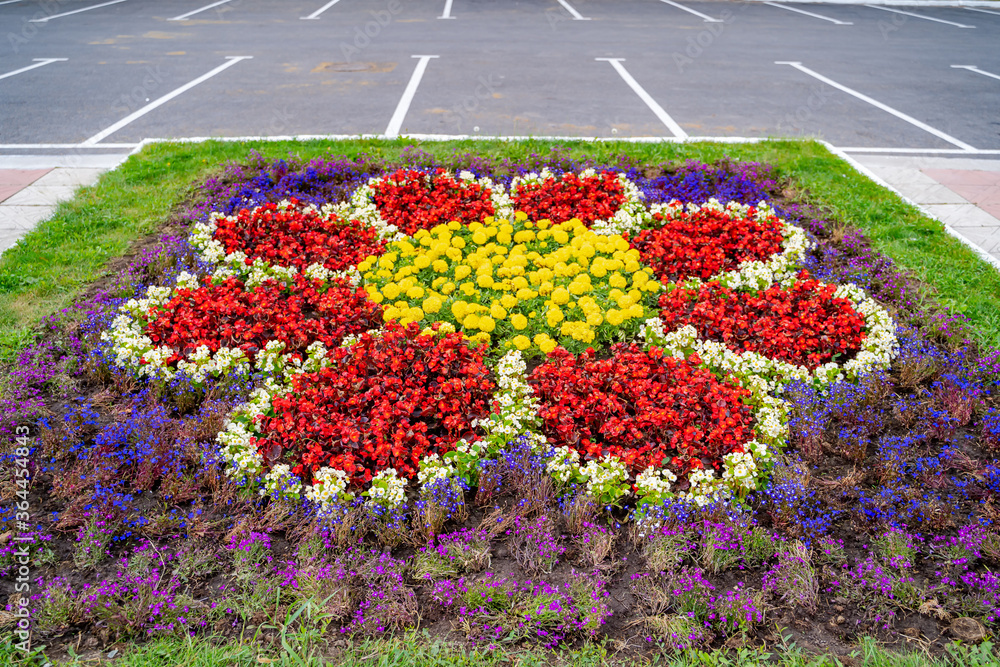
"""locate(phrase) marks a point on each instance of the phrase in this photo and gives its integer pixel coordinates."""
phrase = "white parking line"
(315, 14)
(577, 16)
(184, 17)
(984, 11)
(231, 60)
(75, 11)
(10, 2)
(802, 11)
(399, 115)
(446, 14)
(664, 117)
(920, 16)
(973, 68)
(875, 103)
(39, 62)
(708, 19)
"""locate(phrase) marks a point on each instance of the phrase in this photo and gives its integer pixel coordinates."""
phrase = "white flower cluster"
(388, 488)
(361, 205)
(740, 470)
(564, 464)
(629, 217)
(432, 468)
(654, 482)
(329, 485)
(879, 347)
(755, 274)
(518, 410)
(604, 476)
(236, 439)
(705, 488)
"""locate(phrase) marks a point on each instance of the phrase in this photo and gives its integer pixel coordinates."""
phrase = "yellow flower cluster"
(515, 283)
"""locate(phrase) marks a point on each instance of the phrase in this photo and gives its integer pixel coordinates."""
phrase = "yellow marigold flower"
(503, 238)
(554, 316)
(640, 278)
(390, 290)
(480, 237)
(454, 254)
(595, 319)
(376, 297)
(468, 289)
(521, 342)
(458, 242)
(415, 292)
(439, 265)
(617, 280)
(519, 321)
(524, 294)
(497, 311)
(447, 288)
(462, 271)
(432, 304)
(446, 328)
(519, 282)
(459, 309)
(560, 295)
(520, 216)
(437, 282)
(471, 321)
(390, 313)
(487, 323)
(560, 237)
(625, 300)
(485, 281)
(615, 317)
(383, 274)
(524, 236)
(652, 286)
(508, 301)
(636, 310)
(578, 287)
(547, 346)
(366, 264)
(546, 288)
(454, 225)
(422, 261)
(415, 313)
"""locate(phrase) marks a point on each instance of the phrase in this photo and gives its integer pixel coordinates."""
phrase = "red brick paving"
(13, 181)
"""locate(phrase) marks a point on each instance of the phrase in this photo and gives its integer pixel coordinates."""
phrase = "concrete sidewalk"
(31, 187)
(963, 193)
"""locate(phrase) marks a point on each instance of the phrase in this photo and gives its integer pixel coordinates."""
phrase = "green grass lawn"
(49, 267)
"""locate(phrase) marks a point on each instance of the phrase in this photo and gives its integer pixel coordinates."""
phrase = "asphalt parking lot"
(95, 73)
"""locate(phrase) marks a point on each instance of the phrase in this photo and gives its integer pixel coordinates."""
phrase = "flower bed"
(520, 282)
(730, 444)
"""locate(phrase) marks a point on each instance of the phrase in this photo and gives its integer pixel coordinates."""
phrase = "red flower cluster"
(641, 406)
(386, 401)
(406, 199)
(592, 198)
(804, 324)
(297, 237)
(230, 315)
(705, 243)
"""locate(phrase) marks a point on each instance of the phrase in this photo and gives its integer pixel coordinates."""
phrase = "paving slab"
(963, 193)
